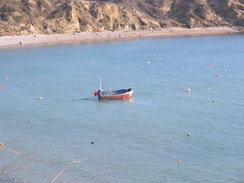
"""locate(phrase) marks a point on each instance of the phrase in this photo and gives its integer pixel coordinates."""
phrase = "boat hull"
(116, 95)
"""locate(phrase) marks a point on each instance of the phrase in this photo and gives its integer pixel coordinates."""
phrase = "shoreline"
(95, 37)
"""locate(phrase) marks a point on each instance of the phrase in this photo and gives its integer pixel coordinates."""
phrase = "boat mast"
(100, 83)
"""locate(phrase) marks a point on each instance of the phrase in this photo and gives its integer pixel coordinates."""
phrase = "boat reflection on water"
(129, 101)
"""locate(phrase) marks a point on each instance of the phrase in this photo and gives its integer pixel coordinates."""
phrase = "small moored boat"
(112, 95)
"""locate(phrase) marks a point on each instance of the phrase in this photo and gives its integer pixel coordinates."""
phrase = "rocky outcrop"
(93, 16)
(23, 17)
(231, 11)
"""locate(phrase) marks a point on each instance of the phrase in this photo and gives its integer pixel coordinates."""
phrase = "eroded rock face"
(96, 16)
(231, 11)
(22, 17)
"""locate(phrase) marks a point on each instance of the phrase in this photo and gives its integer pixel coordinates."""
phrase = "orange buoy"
(188, 90)
(1, 144)
(211, 65)
(95, 93)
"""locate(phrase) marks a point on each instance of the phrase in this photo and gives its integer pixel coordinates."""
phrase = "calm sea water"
(136, 141)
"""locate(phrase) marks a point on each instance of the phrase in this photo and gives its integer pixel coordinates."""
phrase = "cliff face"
(93, 16)
(21, 17)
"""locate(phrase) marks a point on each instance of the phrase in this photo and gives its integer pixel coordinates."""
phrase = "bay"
(140, 140)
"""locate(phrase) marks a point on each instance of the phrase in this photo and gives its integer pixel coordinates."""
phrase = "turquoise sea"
(136, 141)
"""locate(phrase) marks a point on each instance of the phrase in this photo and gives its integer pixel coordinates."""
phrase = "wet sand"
(90, 37)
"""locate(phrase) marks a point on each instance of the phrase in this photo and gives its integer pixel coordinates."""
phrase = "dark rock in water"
(92, 142)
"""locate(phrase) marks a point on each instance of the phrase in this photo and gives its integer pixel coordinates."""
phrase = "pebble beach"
(86, 37)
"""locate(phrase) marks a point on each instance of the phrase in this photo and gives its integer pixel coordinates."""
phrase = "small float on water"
(113, 95)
